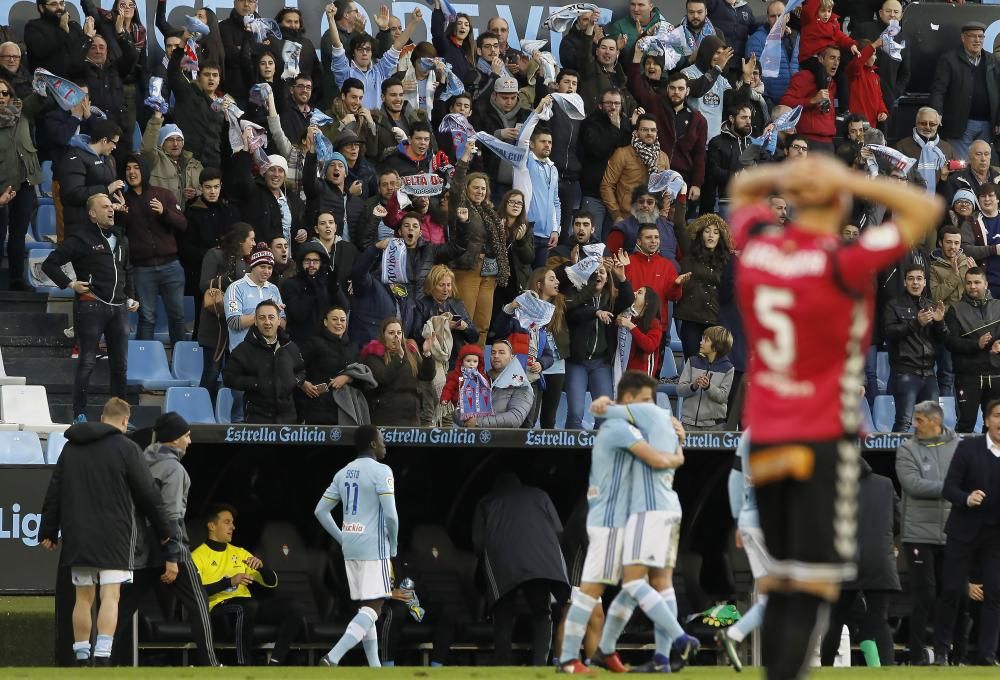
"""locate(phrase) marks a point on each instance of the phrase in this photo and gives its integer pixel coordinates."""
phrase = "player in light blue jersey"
(650, 547)
(619, 446)
(368, 538)
(749, 537)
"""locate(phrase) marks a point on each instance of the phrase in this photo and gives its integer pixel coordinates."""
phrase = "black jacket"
(81, 174)
(326, 356)
(893, 75)
(722, 162)
(307, 297)
(207, 223)
(105, 83)
(951, 90)
(256, 202)
(912, 347)
(203, 127)
(89, 251)
(396, 400)
(972, 467)
(878, 505)
(590, 338)
(234, 35)
(99, 480)
(268, 375)
(321, 196)
(598, 141)
(53, 49)
(966, 323)
(511, 555)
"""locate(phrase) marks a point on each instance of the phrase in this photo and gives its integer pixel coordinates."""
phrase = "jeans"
(945, 372)
(691, 332)
(974, 129)
(210, 370)
(14, 220)
(94, 319)
(871, 376)
(541, 251)
(907, 390)
(569, 202)
(602, 218)
(166, 281)
(593, 375)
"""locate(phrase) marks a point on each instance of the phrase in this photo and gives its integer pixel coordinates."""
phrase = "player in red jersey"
(807, 302)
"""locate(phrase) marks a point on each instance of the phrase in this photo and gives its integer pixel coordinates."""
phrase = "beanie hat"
(965, 195)
(335, 156)
(169, 130)
(170, 426)
(279, 161)
(261, 254)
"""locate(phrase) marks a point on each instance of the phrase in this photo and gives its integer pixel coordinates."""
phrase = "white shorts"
(92, 576)
(761, 562)
(369, 579)
(604, 556)
(651, 539)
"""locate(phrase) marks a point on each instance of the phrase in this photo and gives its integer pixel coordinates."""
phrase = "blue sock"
(389, 664)
(661, 638)
(103, 646)
(580, 608)
(615, 621)
(82, 650)
(370, 644)
(436, 664)
(655, 608)
(749, 622)
(356, 629)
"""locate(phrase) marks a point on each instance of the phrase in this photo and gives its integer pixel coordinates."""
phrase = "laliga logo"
(20, 528)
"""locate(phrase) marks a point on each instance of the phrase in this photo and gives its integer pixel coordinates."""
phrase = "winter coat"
(306, 297)
(966, 323)
(626, 26)
(326, 356)
(212, 330)
(571, 49)
(594, 78)
(645, 353)
(18, 155)
(108, 271)
(951, 90)
(658, 273)
(477, 242)
(163, 171)
(400, 161)
(203, 127)
(98, 482)
(173, 481)
(589, 337)
(735, 21)
(512, 397)
(912, 347)
(814, 124)
(946, 284)
(599, 140)
(700, 300)
(774, 88)
(921, 466)
(396, 400)
(383, 144)
(706, 407)
(879, 506)
(624, 234)
(446, 49)
(510, 555)
(724, 154)
(451, 393)
(373, 300)
(235, 39)
(624, 172)
(893, 75)
(257, 203)
(207, 224)
(342, 257)
(105, 84)
(321, 196)
(816, 34)
(81, 174)
(53, 49)
(866, 86)
(487, 118)
(152, 238)
(268, 376)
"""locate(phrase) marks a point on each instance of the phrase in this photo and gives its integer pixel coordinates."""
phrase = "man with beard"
(624, 235)
(295, 118)
(682, 131)
(974, 341)
(949, 265)
(925, 144)
(13, 68)
(394, 121)
(500, 114)
(696, 26)
(631, 166)
(481, 80)
(600, 69)
(604, 130)
(234, 34)
(306, 294)
(724, 154)
(570, 253)
(54, 42)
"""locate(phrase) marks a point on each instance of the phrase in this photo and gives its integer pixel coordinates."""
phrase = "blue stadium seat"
(44, 224)
(224, 406)
(675, 339)
(20, 448)
(54, 447)
(950, 411)
(882, 372)
(669, 367)
(867, 422)
(147, 366)
(884, 413)
(186, 363)
(193, 403)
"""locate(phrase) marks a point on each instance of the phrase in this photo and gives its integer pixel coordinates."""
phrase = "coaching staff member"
(973, 529)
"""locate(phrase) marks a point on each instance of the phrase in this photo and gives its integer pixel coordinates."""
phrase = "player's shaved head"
(368, 442)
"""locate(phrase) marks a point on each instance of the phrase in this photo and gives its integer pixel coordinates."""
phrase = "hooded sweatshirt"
(81, 174)
(708, 407)
(512, 397)
(151, 236)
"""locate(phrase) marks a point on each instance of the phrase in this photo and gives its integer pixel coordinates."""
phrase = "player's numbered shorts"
(92, 576)
(604, 556)
(369, 579)
(807, 499)
(760, 560)
(651, 539)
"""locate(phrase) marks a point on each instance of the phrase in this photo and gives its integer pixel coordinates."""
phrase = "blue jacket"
(539, 182)
(774, 88)
(372, 300)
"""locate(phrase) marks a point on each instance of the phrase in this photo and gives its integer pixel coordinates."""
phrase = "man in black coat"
(306, 294)
(98, 480)
(88, 168)
(193, 110)
(513, 560)
(105, 75)
(724, 154)
(893, 75)
(966, 91)
(235, 39)
(263, 199)
(973, 529)
(267, 368)
(604, 130)
(54, 42)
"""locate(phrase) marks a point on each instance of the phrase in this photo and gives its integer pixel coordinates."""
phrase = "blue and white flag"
(66, 93)
(564, 18)
(259, 94)
(581, 272)
(196, 27)
(896, 159)
(394, 262)
(889, 45)
(458, 126)
(291, 51)
(666, 180)
(667, 41)
(155, 99)
(784, 122)
(532, 311)
(450, 14)
(261, 27)
(770, 57)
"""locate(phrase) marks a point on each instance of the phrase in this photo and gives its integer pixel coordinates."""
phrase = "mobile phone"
(957, 165)
(323, 388)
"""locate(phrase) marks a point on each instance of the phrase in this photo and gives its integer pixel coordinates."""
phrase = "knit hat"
(170, 426)
(261, 254)
(505, 86)
(964, 195)
(278, 161)
(335, 156)
(170, 130)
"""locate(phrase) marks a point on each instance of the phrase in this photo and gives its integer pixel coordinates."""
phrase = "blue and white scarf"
(261, 27)
(931, 160)
(66, 93)
(622, 350)
(667, 41)
(564, 18)
(533, 312)
(394, 262)
(458, 126)
(475, 396)
(770, 56)
(690, 42)
(291, 51)
(581, 272)
(486, 68)
(233, 115)
(769, 138)
(666, 180)
(889, 45)
(155, 99)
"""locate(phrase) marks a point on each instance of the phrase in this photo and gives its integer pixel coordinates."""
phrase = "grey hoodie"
(921, 466)
(173, 482)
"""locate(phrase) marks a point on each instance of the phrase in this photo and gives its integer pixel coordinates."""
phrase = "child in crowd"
(866, 86)
(467, 390)
(819, 29)
(705, 382)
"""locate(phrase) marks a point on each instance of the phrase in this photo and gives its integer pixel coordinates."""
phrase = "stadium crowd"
(358, 227)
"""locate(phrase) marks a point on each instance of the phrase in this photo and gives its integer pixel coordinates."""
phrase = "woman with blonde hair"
(397, 364)
(707, 247)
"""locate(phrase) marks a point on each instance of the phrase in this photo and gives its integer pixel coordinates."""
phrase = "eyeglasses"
(799, 147)
(303, 86)
(611, 103)
(517, 203)
(4, 93)
(15, 57)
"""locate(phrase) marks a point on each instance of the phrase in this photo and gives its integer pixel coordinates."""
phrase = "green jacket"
(626, 26)
(163, 172)
(18, 155)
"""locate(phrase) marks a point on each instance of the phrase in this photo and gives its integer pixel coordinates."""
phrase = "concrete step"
(16, 301)
(53, 371)
(42, 324)
(31, 346)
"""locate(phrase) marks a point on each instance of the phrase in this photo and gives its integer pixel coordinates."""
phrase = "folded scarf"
(66, 93)
(889, 45)
(394, 262)
(155, 99)
(291, 51)
(564, 18)
(233, 114)
(648, 153)
(931, 160)
(533, 312)
(786, 121)
(581, 272)
(669, 181)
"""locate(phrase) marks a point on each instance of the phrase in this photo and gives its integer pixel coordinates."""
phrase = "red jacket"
(814, 124)
(450, 393)
(645, 355)
(866, 88)
(814, 34)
